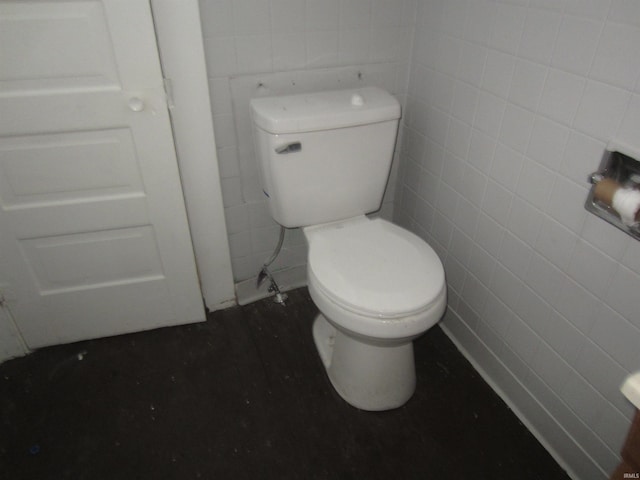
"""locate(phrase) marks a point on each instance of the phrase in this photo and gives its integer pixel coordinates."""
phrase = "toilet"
(324, 161)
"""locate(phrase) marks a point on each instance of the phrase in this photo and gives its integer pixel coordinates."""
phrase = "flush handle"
(292, 147)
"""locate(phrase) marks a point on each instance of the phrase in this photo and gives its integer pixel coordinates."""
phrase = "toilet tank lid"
(316, 111)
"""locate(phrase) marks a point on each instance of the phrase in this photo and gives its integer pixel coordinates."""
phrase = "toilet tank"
(324, 156)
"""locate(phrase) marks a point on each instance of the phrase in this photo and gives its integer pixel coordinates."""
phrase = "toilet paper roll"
(626, 201)
(605, 190)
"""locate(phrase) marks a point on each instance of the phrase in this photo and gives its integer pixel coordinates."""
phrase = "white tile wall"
(281, 39)
(510, 105)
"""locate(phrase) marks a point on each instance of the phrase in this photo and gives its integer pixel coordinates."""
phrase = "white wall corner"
(11, 343)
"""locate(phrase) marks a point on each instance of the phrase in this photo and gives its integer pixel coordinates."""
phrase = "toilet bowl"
(324, 161)
(377, 287)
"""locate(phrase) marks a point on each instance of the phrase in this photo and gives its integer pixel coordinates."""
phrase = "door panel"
(89, 260)
(92, 218)
(68, 167)
(55, 45)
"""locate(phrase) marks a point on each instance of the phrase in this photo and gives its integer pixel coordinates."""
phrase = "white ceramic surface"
(631, 388)
(325, 160)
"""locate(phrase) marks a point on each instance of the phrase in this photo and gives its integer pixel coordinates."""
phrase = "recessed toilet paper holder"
(621, 164)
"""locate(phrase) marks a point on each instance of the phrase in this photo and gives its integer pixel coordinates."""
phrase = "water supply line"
(279, 297)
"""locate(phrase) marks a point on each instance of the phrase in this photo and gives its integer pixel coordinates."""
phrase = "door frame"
(178, 30)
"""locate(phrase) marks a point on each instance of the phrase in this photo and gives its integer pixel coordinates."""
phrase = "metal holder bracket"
(622, 164)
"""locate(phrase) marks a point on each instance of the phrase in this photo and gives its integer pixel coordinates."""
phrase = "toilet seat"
(374, 268)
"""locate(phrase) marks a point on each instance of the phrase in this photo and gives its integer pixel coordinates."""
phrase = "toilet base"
(368, 374)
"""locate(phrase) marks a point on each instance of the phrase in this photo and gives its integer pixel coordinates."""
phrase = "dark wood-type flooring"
(244, 396)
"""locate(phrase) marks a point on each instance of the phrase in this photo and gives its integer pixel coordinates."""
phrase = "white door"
(94, 238)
